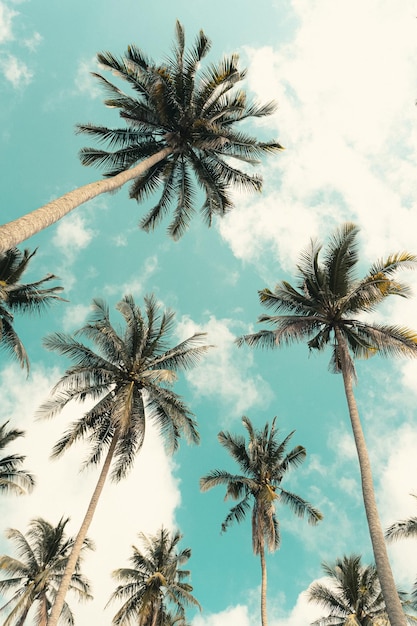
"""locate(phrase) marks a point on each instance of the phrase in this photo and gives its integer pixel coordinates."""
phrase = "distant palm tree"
(154, 583)
(128, 379)
(264, 463)
(20, 297)
(36, 574)
(13, 479)
(181, 120)
(327, 307)
(353, 595)
(403, 530)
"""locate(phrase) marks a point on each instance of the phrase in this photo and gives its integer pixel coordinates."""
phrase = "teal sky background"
(344, 76)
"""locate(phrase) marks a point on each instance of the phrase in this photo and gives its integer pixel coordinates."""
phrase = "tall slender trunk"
(22, 228)
(82, 533)
(264, 618)
(386, 578)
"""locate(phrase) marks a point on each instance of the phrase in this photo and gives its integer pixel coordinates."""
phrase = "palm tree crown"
(404, 529)
(193, 113)
(264, 462)
(35, 575)
(354, 592)
(19, 297)
(154, 583)
(328, 299)
(13, 478)
(353, 595)
(128, 377)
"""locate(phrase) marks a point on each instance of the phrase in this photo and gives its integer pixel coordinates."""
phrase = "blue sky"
(345, 79)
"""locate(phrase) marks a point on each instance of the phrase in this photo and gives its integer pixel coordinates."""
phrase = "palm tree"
(353, 595)
(43, 553)
(20, 297)
(264, 462)
(403, 530)
(128, 378)
(13, 479)
(180, 120)
(155, 582)
(327, 307)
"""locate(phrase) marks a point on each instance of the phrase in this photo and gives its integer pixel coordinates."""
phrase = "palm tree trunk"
(22, 228)
(386, 578)
(264, 618)
(82, 533)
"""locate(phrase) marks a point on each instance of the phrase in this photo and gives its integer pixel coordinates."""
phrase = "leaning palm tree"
(20, 297)
(13, 479)
(35, 576)
(128, 379)
(327, 307)
(154, 583)
(180, 120)
(264, 463)
(352, 596)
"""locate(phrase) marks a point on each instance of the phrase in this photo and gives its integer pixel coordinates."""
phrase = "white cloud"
(144, 501)
(135, 286)
(75, 316)
(85, 83)
(347, 119)
(33, 42)
(6, 22)
(15, 71)
(233, 616)
(72, 235)
(224, 375)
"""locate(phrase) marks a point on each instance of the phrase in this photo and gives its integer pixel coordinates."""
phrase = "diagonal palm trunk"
(264, 618)
(82, 533)
(22, 228)
(386, 578)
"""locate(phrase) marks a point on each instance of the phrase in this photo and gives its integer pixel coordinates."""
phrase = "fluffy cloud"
(6, 22)
(223, 375)
(330, 104)
(15, 71)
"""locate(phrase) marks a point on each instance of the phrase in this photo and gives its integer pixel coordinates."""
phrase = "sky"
(345, 80)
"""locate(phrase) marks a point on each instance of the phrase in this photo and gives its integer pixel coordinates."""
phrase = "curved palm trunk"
(22, 228)
(389, 591)
(264, 618)
(82, 533)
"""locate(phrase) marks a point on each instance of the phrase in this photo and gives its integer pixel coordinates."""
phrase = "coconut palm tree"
(352, 596)
(404, 529)
(264, 463)
(20, 297)
(154, 583)
(35, 576)
(13, 479)
(128, 379)
(326, 308)
(180, 119)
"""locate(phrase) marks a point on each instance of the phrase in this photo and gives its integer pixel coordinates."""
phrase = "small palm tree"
(264, 463)
(404, 529)
(154, 583)
(35, 576)
(128, 379)
(353, 595)
(19, 297)
(181, 119)
(326, 308)
(13, 479)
